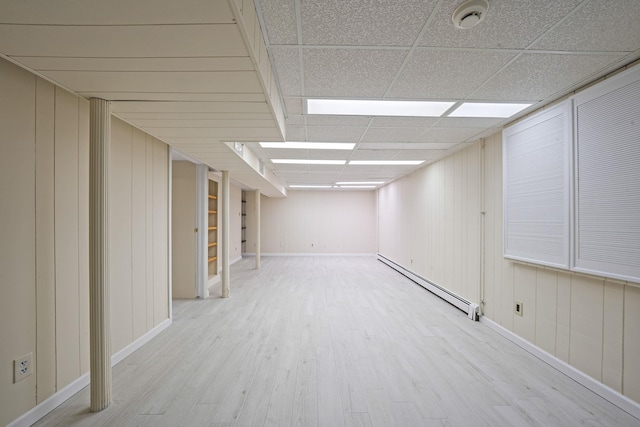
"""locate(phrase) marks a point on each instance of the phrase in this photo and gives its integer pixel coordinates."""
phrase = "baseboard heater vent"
(457, 301)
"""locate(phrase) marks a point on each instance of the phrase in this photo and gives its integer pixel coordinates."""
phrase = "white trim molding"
(42, 409)
(621, 401)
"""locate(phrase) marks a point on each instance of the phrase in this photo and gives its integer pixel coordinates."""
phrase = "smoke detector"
(470, 13)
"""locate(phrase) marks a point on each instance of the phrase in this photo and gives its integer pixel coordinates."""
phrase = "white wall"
(430, 222)
(183, 223)
(44, 178)
(433, 217)
(315, 222)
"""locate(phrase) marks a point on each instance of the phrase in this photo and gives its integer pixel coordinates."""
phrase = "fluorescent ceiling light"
(361, 183)
(310, 186)
(487, 109)
(357, 186)
(387, 162)
(310, 145)
(308, 162)
(352, 107)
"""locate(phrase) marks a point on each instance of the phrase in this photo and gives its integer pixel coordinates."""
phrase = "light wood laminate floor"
(331, 341)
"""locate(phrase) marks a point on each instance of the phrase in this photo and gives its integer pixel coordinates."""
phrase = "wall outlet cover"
(518, 308)
(22, 367)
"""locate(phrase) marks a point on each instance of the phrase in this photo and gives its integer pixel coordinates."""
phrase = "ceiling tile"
(391, 134)
(406, 145)
(446, 74)
(396, 122)
(360, 73)
(296, 133)
(295, 120)
(363, 22)
(337, 121)
(287, 64)
(334, 133)
(508, 24)
(448, 135)
(528, 78)
(611, 25)
(293, 106)
(280, 19)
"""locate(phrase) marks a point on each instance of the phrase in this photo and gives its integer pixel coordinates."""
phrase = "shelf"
(211, 196)
(212, 244)
(213, 212)
(213, 258)
(213, 228)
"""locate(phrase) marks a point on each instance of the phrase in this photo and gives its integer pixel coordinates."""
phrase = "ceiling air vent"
(470, 13)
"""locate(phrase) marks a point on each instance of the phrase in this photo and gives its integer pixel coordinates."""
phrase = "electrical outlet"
(518, 308)
(22, 367)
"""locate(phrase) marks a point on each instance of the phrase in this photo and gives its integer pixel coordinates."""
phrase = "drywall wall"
(308, 222)
(44, 237)
(183, 237)
(431, 223)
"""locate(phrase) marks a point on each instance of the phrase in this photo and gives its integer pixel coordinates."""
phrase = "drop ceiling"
(202, 74)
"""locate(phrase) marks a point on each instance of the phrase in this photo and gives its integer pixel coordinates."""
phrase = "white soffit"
(194, 73)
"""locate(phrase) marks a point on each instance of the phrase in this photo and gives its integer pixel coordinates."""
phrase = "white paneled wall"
(315, 222)
(44, 237)
(429, 224)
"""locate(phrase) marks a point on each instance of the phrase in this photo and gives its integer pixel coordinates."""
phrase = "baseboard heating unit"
(456, 300)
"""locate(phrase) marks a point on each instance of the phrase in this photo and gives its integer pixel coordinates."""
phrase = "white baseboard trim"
(621, 401)
(51, 403)
(233, 261)
(308, 254)
(120, 355)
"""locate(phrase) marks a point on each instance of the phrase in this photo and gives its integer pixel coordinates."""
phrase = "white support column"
(257, 236)
(225, 234)
(99, 314)
(202, 224)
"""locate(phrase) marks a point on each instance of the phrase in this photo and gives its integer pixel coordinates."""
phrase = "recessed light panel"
(487, 109)
(361, 183)
(310, 186)
(386, 162)
(364, 187)
(308, 162)
(352, 107)
(310, 145)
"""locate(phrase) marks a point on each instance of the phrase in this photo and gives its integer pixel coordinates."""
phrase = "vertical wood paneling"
(613, 335)
(160, 231)
(120, 234)
(83, 231)
(138, 233)
(545, 316)
(631, 367)
(45, 241)
(524, 290)
(149, 141)
(563, 317)
(67, 237)
(17, 234)
(585, 351)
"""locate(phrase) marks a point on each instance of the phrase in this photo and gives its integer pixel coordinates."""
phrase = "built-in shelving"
(212, 241)
(243, 213)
